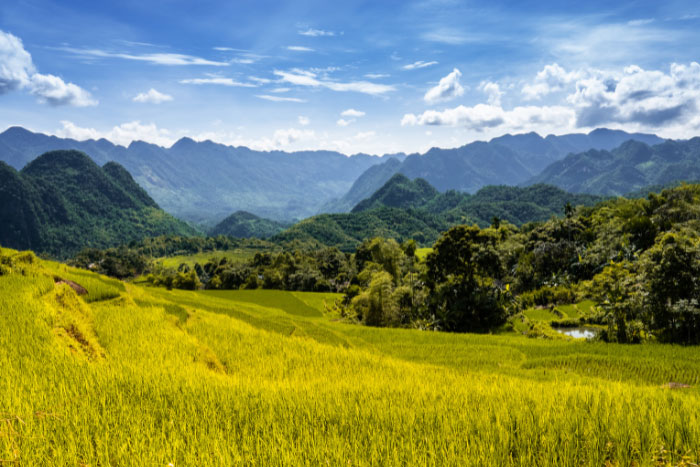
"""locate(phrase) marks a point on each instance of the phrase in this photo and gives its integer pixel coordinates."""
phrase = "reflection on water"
(580, 332)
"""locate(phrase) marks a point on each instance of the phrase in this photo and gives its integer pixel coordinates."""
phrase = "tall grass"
(184, 379)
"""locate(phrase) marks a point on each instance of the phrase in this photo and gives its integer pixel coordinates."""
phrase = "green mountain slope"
(62, 201)
(629, 167)
(243, 224)
(205, 181)
(412, 209)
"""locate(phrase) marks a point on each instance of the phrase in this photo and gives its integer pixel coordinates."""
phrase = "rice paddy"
(131, 375)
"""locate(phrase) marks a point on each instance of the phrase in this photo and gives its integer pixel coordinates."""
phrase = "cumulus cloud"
(447, 89)
(219, 81)
(493, 91)
(122, 134)
(343, 123)
(418, 64)
(552, 78)
(303, 121)
(152, 97)
(352, 113)
(307, 78)
(484, 116)
(665, 102)
(17, 72)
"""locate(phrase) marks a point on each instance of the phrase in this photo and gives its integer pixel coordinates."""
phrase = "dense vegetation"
(62, 201)
(627, 168)
(638, 259)
(404, 209)
(243, 224)
(130, 375)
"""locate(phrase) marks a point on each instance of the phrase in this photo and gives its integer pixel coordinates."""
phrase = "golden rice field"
(129, 375)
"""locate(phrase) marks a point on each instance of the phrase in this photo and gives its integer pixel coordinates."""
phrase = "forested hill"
(205, 181)
(63, 201)
(243, 224)
(412, 209)
(506, 160)
(627, 168)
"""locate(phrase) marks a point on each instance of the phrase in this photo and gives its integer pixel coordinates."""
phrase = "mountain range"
(63, 201)
(204, 182)
(413, 209)
(506, 160)
(627, 168)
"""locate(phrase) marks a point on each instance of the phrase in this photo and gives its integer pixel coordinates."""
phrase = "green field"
(130, 375)
(238, 255)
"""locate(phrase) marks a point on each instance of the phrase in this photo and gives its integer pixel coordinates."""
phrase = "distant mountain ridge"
(63, 201)
(630, 167)
(243, 224)
(206, 181)
(505, 160)
(412, 209)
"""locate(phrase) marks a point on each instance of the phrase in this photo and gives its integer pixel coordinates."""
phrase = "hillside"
(506, 160)
(627, 168)
(268, 377)
(243, 224)
(63, 201)
(403, 209)
(205, 181)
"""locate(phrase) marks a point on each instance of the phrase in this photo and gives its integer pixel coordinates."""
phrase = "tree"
(461, 272)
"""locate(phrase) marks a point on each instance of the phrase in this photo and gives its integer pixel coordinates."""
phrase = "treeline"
(638, 259)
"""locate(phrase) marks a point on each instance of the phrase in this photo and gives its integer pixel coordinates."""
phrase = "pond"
(581, 332)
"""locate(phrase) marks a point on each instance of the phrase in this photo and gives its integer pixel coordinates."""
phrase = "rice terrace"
(418, 233)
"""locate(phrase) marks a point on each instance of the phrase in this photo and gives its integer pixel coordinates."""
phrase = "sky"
(354, 76)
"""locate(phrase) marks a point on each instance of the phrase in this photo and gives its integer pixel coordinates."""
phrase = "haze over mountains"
(205, 182)
(506, 160)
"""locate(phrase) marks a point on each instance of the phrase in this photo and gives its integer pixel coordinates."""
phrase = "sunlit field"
(130, 375)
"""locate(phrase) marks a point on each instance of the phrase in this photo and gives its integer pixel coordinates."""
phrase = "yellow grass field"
(130, 375)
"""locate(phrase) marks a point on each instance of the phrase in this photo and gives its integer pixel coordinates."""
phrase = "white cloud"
(665, 102)
(299, 48)
(122, 134)
(218, 81)
(376, 75)
(447, 89)
(303, 121)
(17, 72)
(552, 78)
(168, 59)
(268, 97)
(301, 78)
(280, 90)
(260, 80)
(365, 135)
(343, 123)
(316, 32)
(493, 91)
(418, 64)
(152, 97)
(484, 116)
(352, 113)
(640, 22)
(291, 135)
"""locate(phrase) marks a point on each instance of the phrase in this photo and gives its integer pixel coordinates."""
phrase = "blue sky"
(352, 76)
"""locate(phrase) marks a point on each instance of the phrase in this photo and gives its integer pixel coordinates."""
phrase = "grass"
(237, 255)
(422, 253)
(157, 377)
